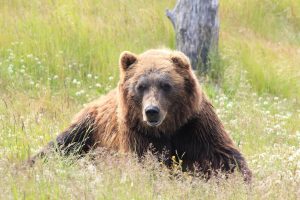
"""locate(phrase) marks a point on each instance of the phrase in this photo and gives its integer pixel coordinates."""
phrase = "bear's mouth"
(153, 116)
(154, 123)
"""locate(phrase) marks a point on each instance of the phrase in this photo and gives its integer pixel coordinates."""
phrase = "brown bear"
(158, 102)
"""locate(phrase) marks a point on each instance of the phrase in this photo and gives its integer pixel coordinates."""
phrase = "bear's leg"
(234, 159)
(77, 139)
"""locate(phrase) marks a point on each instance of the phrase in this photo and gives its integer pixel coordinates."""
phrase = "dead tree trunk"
(196, 26)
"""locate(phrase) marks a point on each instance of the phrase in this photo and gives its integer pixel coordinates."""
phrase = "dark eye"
(166, 86)
(141, 87)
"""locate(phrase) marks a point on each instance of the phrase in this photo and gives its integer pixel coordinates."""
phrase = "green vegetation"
(57, 55)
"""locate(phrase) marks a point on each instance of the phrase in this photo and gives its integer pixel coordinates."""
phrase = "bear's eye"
(166, 86)
(141, 87)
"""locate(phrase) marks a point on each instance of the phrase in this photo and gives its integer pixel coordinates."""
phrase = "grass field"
(57, 55)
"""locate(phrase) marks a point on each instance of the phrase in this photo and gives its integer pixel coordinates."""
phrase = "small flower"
(74, 81)
(29, 56)
(89, 75)
(10, 68)
(79, 93)
(229, 105)
(98, 85)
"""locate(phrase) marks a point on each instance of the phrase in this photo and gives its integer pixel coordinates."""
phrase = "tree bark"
(196, 26)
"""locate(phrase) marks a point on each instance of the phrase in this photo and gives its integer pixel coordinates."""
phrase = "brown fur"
(191, 128)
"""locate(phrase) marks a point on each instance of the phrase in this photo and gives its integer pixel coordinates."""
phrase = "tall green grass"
(63, 36)
(57, 55)
(263, 38)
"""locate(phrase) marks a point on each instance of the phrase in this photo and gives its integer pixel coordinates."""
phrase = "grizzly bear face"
(158, 89)
(154, 91)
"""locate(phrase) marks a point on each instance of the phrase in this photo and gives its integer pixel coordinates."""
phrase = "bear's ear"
(127, 59)
(180, 60)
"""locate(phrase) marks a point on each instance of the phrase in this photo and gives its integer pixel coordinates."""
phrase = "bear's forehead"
(156, 71)
(155, 61)
(152, 66)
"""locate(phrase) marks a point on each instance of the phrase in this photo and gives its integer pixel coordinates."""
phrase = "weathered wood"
(196, 26)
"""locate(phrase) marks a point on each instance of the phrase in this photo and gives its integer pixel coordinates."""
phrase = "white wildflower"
(98, 85)
(74, 81)
(79, 93)
(10, 68)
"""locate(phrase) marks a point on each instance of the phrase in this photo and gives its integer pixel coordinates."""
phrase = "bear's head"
(158, 90)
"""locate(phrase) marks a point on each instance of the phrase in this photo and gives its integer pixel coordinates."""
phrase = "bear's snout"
(153, 115)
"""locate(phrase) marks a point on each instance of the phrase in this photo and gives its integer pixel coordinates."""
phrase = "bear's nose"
(152, 113)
